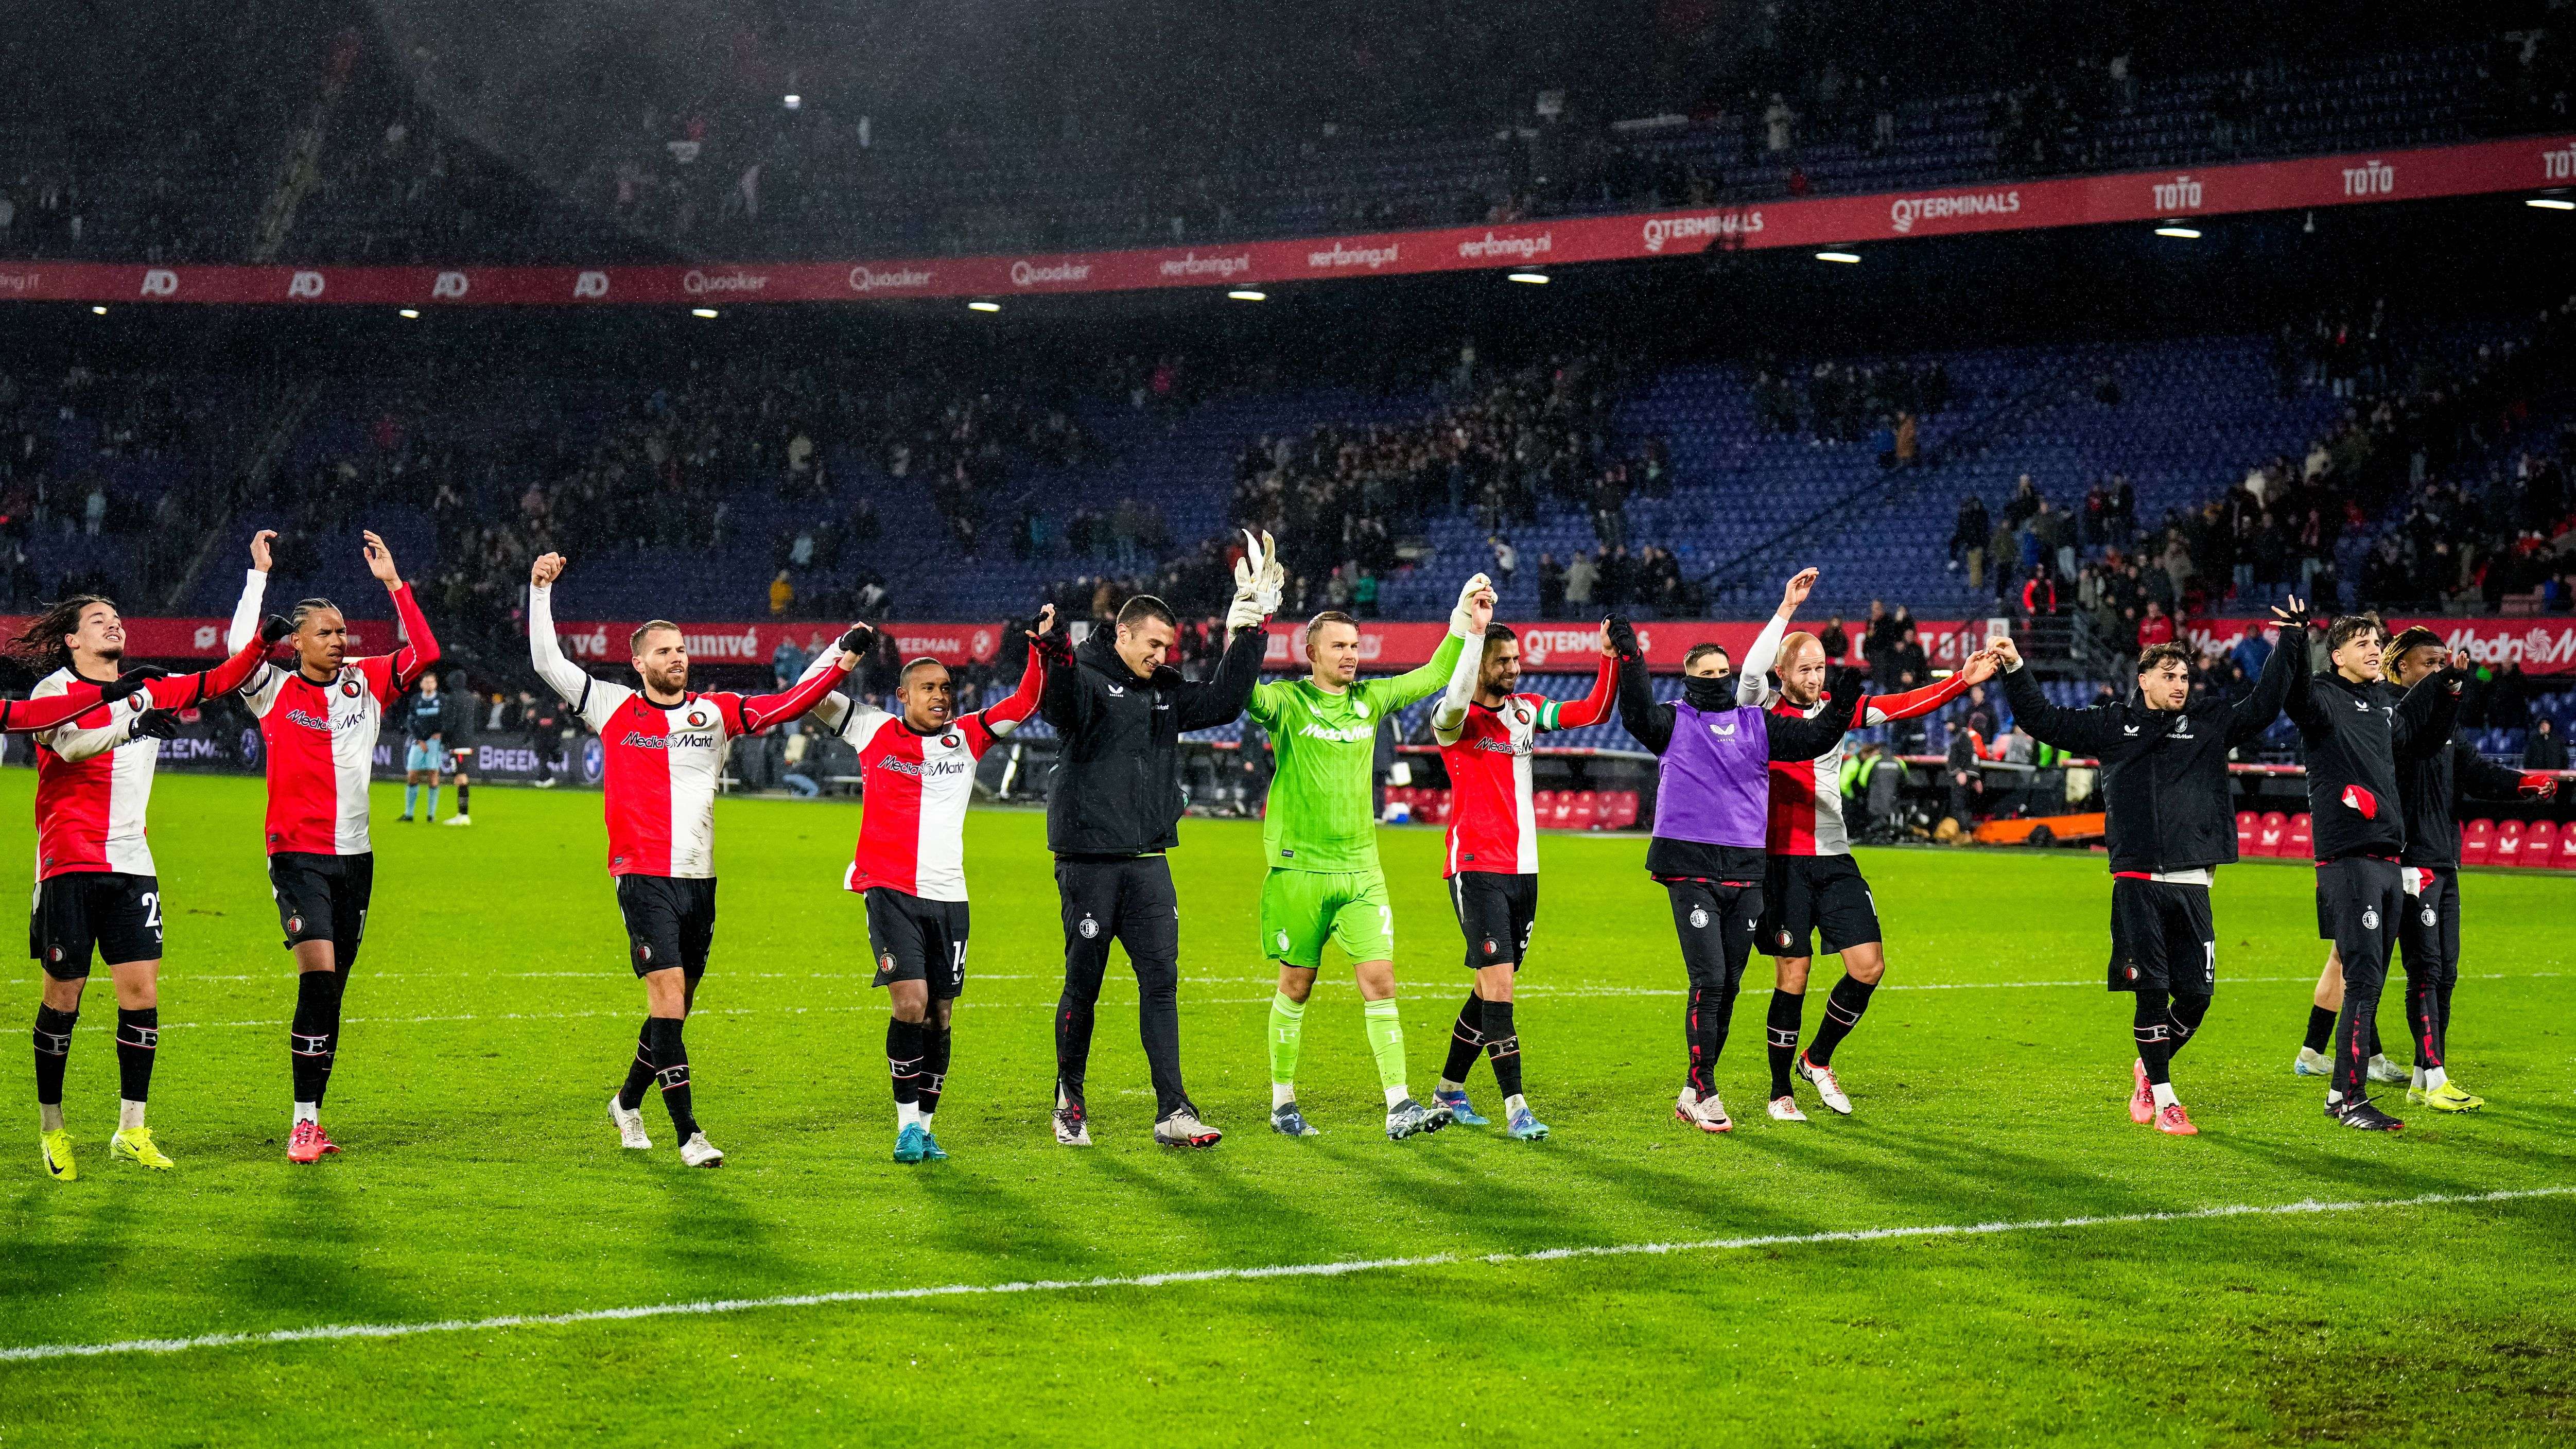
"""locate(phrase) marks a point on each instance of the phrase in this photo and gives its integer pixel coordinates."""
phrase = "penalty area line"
(1344, 1268)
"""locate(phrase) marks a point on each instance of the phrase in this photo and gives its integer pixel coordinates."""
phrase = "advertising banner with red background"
(2540, 646)
(2315, 181)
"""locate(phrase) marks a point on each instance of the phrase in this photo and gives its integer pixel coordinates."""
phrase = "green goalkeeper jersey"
(1322, 813)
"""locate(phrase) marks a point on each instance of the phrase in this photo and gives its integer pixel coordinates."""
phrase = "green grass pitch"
(493, 1010)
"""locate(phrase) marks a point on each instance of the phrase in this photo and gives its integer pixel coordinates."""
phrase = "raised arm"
(2304, 706)
(1004, 716)
(2475, 777)
(1449, 716)
(1911, 703)
(833, 709)
(187, 691)
(1062, 699)
(1218, 699)
(2421, 725)
(2094, 732)
(1648, 722)
(1796, 738)
(254, 591)
(2249, 717)
(34, 716)
(1753, 675)
(758, 712)
(1592, 708)
(566, 678)
(421, 649)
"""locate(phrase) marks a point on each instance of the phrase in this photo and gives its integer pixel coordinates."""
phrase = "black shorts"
(2162, 938)
(918, 940)
(1715, 921)
(323, 898)
(2361, 901)
(2429, 932)
(1495, 913)
(1816, 900)
(669, 922)
(116, 914)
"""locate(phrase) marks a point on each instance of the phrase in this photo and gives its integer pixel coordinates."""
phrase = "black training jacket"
(2354, 736)
(1117, 776)
(2432, 788)
(2164, 772)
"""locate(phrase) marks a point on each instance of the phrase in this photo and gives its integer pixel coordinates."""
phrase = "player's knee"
(1789, 973)
(940, 1011)
(1865, 964)
(1295, 983)
(1376, 978)
(64, 995)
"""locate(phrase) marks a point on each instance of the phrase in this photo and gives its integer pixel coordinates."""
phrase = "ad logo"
(590, 284)
(160, 282)
(450, 285)
(306, 285)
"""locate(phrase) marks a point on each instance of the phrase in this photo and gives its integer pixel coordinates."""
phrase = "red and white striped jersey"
(661, 763)
(320, 738)
(94, 778)
(1807, 795)
(1493, 821)
(912, 826)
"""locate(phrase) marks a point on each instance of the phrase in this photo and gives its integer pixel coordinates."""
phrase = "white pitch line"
(1344, 1268)
(1524, 990)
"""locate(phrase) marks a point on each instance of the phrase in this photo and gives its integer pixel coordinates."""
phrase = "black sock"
(2320, 1028)
(1466, 1039)
(904, 1051)
(53, 1053)
(1843, 1006)
(639, 1072)
(2188, 1013)
(313, 1038)
(671, 1069)
(138, 1041)
(1503, 1044)
(463, 792)
(2152, 1028)
(934, 1071)
(1788, 1017)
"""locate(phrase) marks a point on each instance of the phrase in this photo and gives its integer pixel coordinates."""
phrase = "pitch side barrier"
(1995, 206)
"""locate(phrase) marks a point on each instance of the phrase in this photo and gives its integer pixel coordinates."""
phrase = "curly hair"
(41, 643)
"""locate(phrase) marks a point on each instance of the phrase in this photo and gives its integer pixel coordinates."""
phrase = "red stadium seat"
(1543, 808)
(2540, 843)
(2566, 856)
(2508, 842)
(2249, 829)
(2300, 843)
(2477, 842)
(1560, 811)
(2271, 833)
(1619, 809)
(1586, 811)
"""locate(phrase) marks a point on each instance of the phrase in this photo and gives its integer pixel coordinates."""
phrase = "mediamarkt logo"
(1338, 255)
(1523, 247)
(697, 282)
(1662, 229)
(2370, 178)
(893, 279)
(2559, 165)
(2538, 649)
(1191, 264)
(1030, 274)
(2180, 194)
(1904, 211)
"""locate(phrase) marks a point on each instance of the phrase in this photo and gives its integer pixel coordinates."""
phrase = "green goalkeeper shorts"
(1301, 909)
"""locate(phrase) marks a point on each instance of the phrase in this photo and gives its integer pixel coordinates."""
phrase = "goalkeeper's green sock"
(1287, 1033)
(1386, 1043)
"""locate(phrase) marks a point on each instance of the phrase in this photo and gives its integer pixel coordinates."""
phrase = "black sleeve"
(2250, 716)
(1065, 699)
(2422, 723)
(1222, 696)
(2474, 776)
(1793, 738)
(2082, 731)
(1649, 722)
(2310, 716)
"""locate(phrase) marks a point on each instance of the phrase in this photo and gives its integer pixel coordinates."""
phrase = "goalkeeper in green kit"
(1320, 838)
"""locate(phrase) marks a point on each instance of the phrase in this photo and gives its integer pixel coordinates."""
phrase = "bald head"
(1802, 668)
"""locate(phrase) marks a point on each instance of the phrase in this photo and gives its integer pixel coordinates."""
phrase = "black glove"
(1055, 646)
(1623, 638)
(854, 642)
(129, 683)
(159, 724)
(275, 628)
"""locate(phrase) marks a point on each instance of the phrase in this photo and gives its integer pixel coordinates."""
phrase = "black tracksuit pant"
(1126, 899)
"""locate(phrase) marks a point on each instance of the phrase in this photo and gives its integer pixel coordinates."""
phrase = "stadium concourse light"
(1838, 256)
(2551, 203)
(2179, 233)
(706, 312)
(983, 306)
(1246, 294)
(411, 312)
(791, 101)
(101, 311)
(1535, 279)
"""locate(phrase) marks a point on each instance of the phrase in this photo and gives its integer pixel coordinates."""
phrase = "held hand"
(274, 628)
(2539, 784)
(1607, 651)
(131, 682)
(260, 556)
(1796, 593)
(854, 643)
(1981, 666)
(547, 568)
(2291, 612)
(2461, 662)
(1622, 638)
(2007, 653)
(1481, 614)
(380, 560)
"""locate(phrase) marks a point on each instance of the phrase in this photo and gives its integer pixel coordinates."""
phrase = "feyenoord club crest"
(294, 927)
(1089, 928)
(697, 718)
(1360, 707)
(349, 687)
(1490, 947)
(949, 740)
(1520, 714)
(886, 962)
(2429, 916)
(1283, 943)
(1699, 918)
(643, 952)
(2369, 920)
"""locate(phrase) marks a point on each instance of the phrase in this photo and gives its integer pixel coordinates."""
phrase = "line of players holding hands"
(1748, 838)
